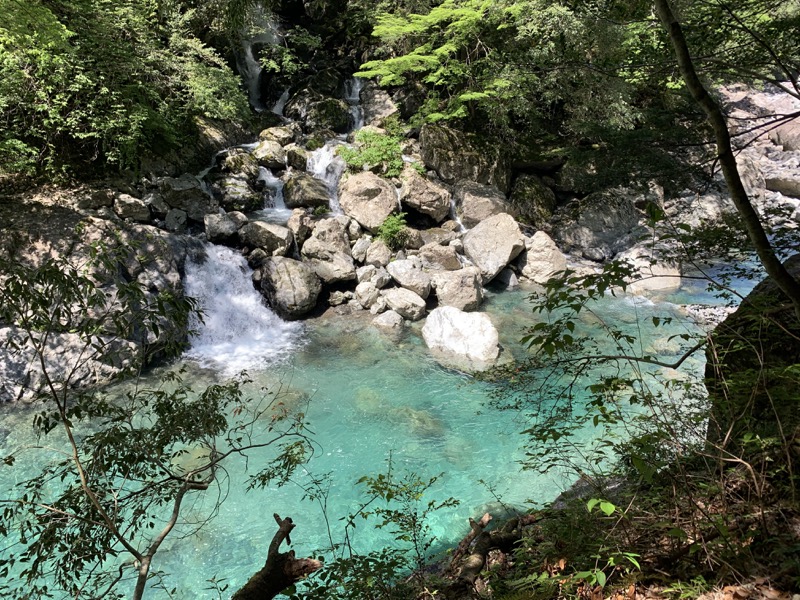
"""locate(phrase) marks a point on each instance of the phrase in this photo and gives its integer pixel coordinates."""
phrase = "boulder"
(155, 202)
(300, 224)
(607, 220)
(97, 199)
(541, 259)
(439, 258)
(274, 239)
(359, 249)
(331, 234)
(291, 287)
(494, 243)
(389, 320)
(658, 277)
(424, 195)
(176, 220)
(282, 134)
(407, 274)
(786, 185)
(239, 161)
(378, 254)
(296, 157)
(460, 289)
(456, 155)
(128, 207)
(304, 191)
(376, 104)
(367, 294)
(377, 275)
(476, 202)
(270, 154)
(787, 136)
(470, 336)
(221, 229)
(368, 199)
(405, 302)
(186, 193)
(438, 235)
(235, 193)
(532, 200)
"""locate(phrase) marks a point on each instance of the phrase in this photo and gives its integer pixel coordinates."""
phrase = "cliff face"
(753, 369)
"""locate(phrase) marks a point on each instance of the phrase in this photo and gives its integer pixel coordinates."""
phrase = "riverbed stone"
(405, 302)
(186, 193)
(390, 320)
(408, 274)
(128, 207)
(368, 199)
(300, 224)
(378, 254)
(424, 195)
(274, 239)
(305, 191)
(359, 249)
(221, 229)
(460, 289)
(377, 104)
(494, 243)
(786, 185)
(476, 202)
(541, 259)
(438, 235)
(291, 287)
(282, 134)
(367, 293)
(176, 220)
(471, 336)
(439, 258)
(653, 276)
(270, 154)
(532, 200)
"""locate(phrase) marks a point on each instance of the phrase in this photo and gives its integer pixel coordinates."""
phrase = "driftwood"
(281, 570)
(470, 556)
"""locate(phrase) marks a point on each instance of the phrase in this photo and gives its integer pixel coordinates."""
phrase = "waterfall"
(248, 65)
(352, 95)
(281, 103)
(325, 164)
(238, 331)
(274, 210)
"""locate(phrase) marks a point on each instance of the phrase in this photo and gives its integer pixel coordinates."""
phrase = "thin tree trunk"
(772, 265)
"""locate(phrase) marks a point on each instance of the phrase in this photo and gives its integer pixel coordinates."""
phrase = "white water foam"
(352, 95)
(325, 164)
(239, 332)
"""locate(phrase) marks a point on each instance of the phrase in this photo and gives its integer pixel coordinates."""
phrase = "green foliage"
(374, 151)
(91, 83)
(393, 231)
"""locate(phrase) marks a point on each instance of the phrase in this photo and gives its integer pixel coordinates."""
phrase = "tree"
(98, 512)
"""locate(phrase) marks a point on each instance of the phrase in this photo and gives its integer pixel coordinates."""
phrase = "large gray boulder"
(186, 193)
(607, 220)
(378, 254)
(439, 258)
(541, 259)
(476, 202)
(332, 235)
(405, 302)
(460, 289)
(291, 287)
(651, 276)
(376, 104)
(494, 243)
(327, 252)
(408, 274)
(532, 200)
(128, 207)
(424, 195)
(236, 193)
(223, 229)
(462, 335)
(283, 134)
(304, 191)
(456, 155)
(368, 199)
(270, 154)
(786, 185)
(273, 239)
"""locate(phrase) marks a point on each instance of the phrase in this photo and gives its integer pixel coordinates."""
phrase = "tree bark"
(280, 571)
(727, 160)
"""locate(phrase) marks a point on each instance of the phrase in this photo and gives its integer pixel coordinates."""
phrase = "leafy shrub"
(393, 231)
(374, 149)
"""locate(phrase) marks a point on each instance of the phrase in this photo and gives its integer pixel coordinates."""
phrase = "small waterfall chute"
(238, 331)
(325, 164)
(274, 210)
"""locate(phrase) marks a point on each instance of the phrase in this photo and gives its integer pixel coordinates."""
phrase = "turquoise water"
(370, 396)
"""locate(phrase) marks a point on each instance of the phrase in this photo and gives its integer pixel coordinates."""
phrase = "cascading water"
(274, 210)
(248, 65)
(352, 95)
(281, 103)
(325, 164)
(238, 332)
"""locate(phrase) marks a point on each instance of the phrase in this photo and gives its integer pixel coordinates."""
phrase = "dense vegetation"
(91, 85)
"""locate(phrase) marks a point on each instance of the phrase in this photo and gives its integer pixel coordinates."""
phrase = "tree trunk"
(727, 160)
(281, 569)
